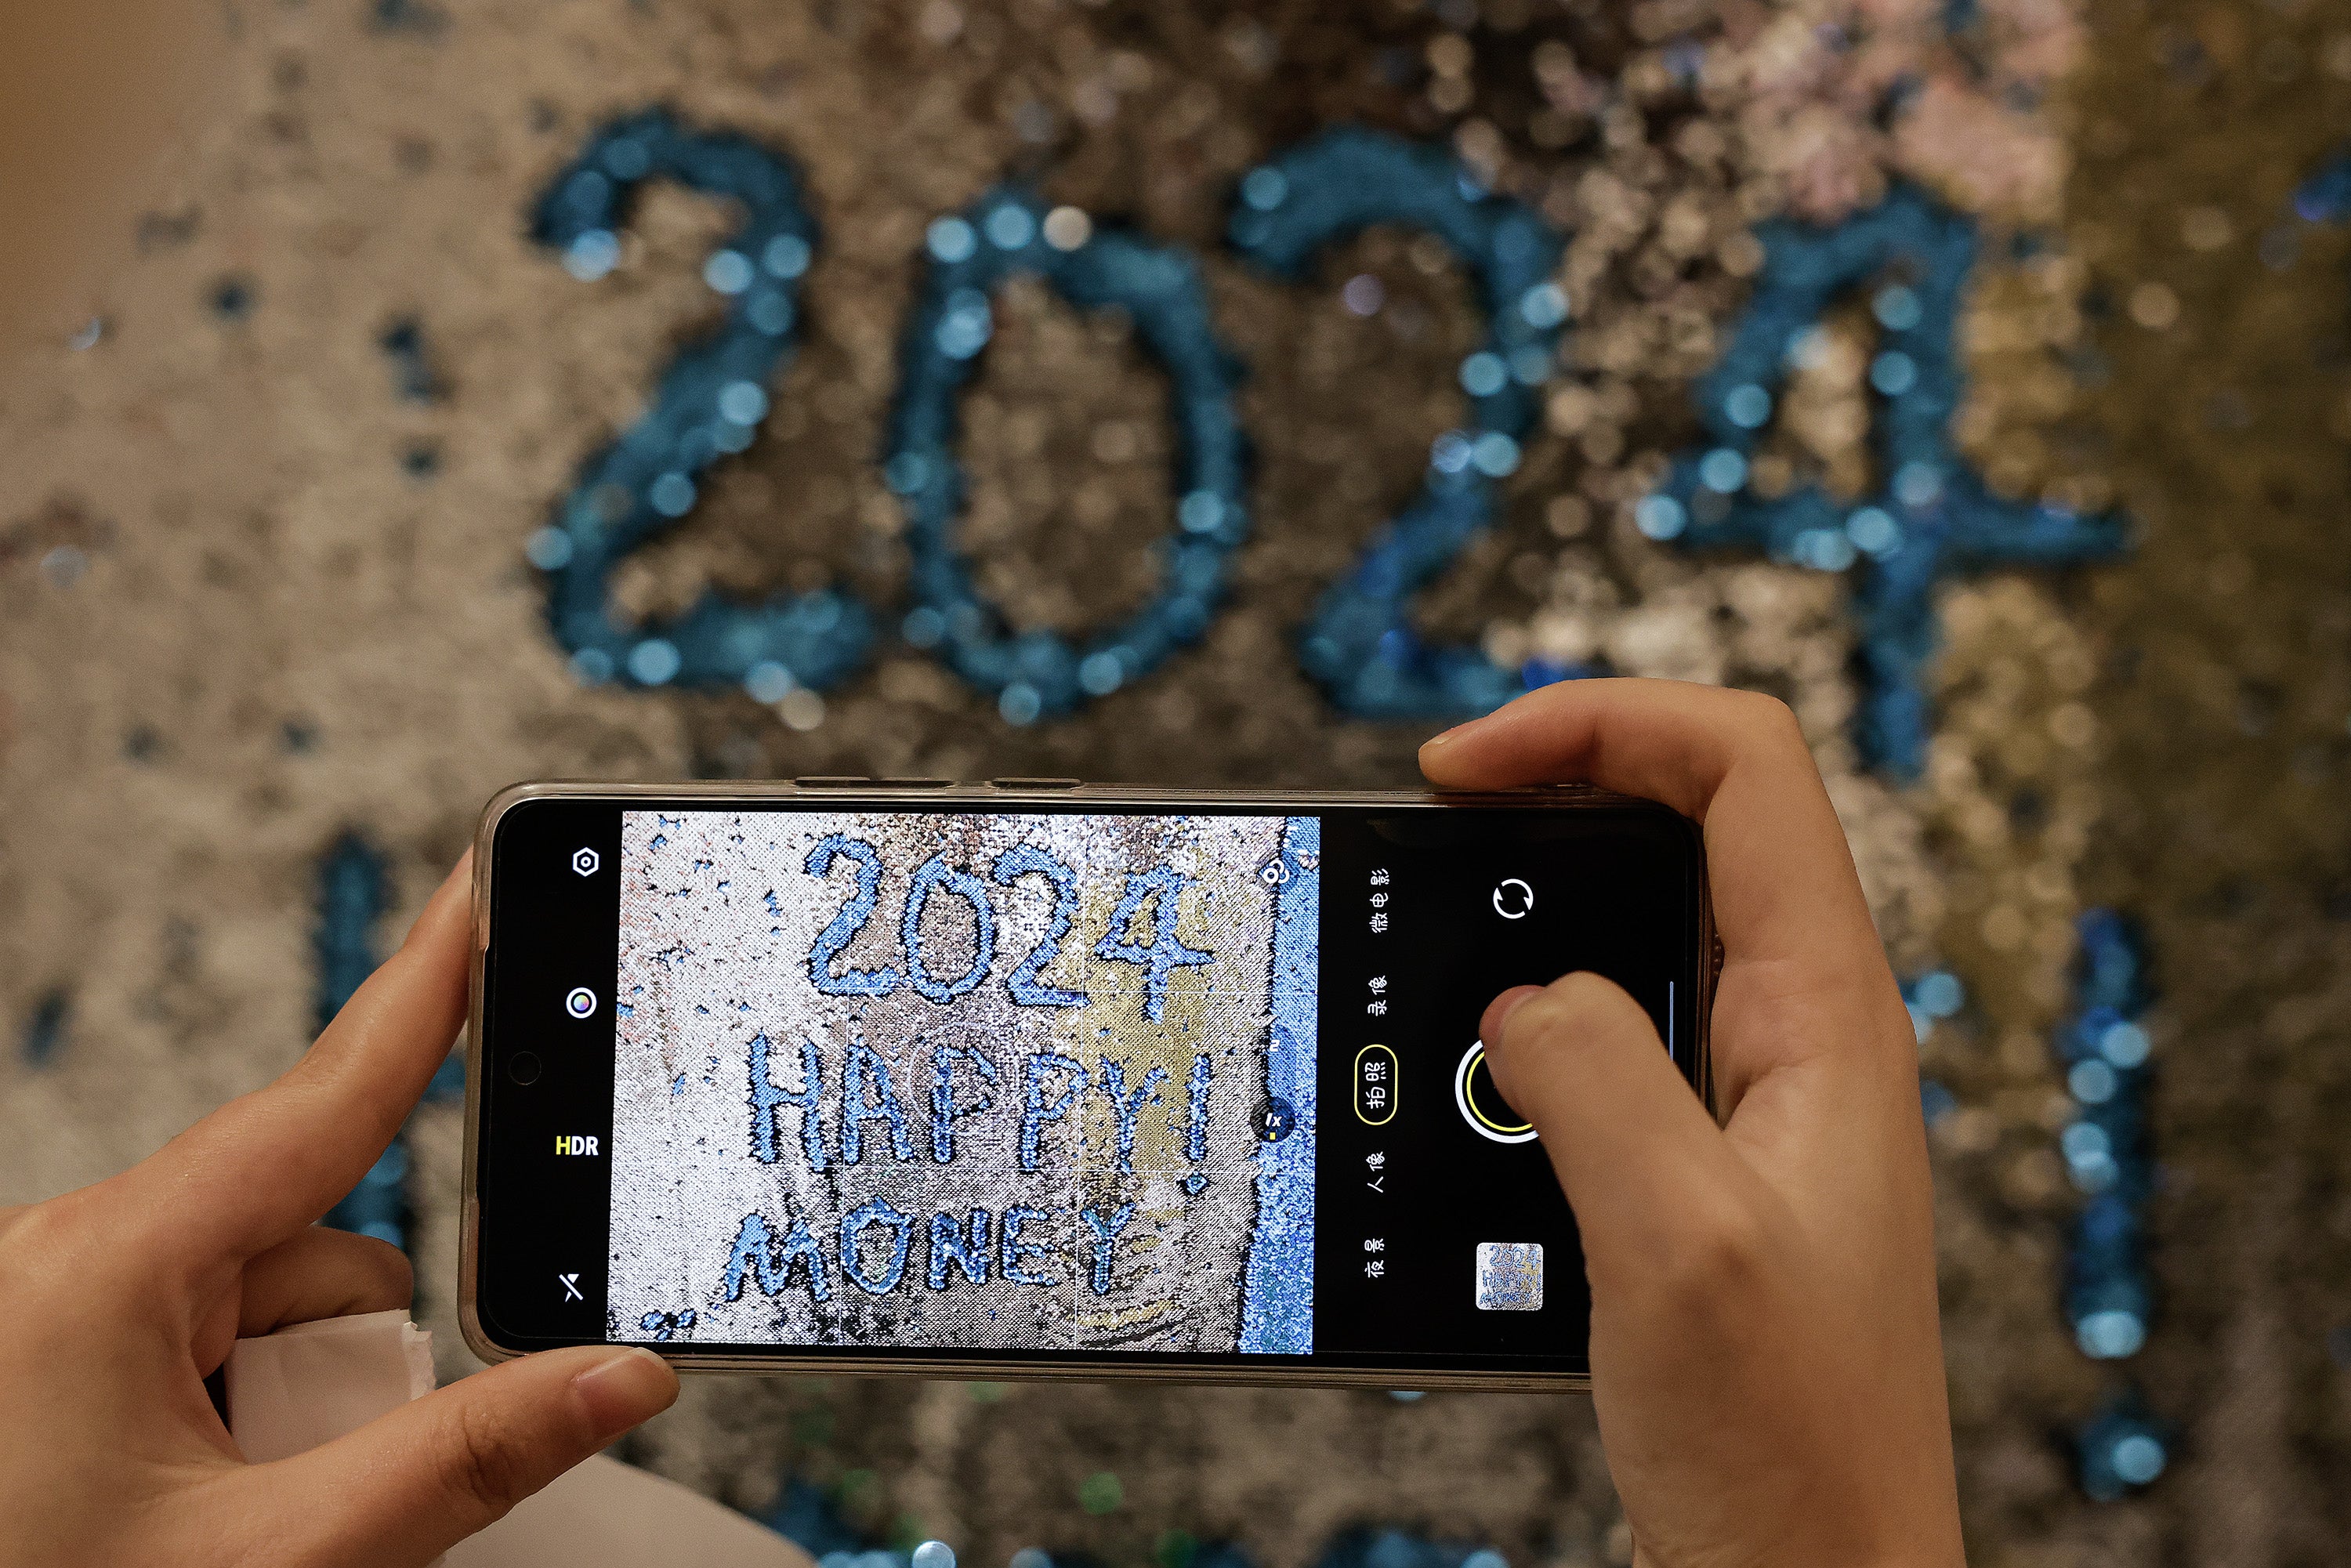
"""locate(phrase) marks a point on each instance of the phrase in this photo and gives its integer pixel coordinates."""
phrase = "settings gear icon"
(585, 862)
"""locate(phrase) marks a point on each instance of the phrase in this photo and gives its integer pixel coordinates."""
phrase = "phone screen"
(1062, 1083)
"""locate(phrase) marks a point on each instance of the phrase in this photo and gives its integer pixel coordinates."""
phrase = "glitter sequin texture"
(708, 404)
(1932, 517)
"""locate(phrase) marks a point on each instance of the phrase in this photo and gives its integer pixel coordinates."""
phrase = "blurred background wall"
(280, 518)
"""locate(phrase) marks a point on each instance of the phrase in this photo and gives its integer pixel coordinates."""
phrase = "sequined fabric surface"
(1972, 376)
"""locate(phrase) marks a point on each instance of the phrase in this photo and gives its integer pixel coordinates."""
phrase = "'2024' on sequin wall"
(1931, 518)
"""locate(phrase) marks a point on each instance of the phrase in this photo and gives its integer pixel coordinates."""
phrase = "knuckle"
(387, 1269)
(1586, 994)
(1718, 1253)
(28, 1227)
(482, 1465)
(28, 1243)
(54, 1237)
(1773, 720)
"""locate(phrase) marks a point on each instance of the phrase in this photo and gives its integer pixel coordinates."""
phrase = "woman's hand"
(119, 1299)
(1766, 1357)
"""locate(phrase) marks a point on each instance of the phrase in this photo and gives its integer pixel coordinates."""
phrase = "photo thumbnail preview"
(962, 1080)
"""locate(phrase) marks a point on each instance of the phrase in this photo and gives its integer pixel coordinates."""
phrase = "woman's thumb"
(409, 1485)
(1581, 1060)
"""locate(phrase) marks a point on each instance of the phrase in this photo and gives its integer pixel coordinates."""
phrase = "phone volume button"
(830, 780)
(1034, 783)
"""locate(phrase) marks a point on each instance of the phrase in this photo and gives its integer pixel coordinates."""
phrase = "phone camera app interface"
(1442, 1235)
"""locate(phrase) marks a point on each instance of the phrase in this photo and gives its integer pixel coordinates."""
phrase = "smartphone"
(1038, 1078)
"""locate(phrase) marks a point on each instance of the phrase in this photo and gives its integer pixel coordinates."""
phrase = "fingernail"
(1443, 737)
(624, 1389)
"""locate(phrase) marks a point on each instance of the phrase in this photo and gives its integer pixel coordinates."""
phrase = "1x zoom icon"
(1481, 1104)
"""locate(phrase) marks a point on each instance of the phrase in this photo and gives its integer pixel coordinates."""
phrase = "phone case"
(1014, 794)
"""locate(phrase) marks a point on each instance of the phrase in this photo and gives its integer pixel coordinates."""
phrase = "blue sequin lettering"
(1129, 1106)
(1106, 1230)
(1195, 1129)
(845, 924)
(1036, 1110)
(1018, 1252)
(1028, 859)
(963, 1245)
(938, 875)
(709, 399)
(757, 1253)
(944, 1108)
(767, 1103)
(867, 1095)
(853, 1227)
(1164, 953)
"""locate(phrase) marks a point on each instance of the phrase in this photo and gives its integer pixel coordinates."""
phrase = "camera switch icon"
(586, 861)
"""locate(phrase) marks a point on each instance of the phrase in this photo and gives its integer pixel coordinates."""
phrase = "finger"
(1783, 881)
(258, 1169)
(1630, 1140)
(322, 1274)
(409, 1485)
(316, 1273)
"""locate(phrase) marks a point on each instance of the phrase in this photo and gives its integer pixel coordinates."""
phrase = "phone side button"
(1034, 783)
(830, 780)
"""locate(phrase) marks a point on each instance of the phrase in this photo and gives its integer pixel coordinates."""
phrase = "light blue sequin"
(728, 271)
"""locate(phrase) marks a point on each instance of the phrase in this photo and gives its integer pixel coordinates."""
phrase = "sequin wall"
(1213, 394)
